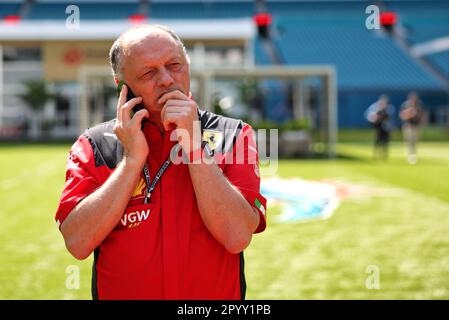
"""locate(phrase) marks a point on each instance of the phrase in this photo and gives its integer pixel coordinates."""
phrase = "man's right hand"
(128, 130)
(94, 218)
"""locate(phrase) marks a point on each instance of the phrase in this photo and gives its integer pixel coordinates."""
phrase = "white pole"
(249, 60)
(298, 99)
(208, 89)
(84, 101)
(333, 113)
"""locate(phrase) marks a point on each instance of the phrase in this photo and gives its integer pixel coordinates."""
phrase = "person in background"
(411, 114)
(380, 115)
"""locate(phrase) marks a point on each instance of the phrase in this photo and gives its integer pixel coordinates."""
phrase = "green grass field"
(403, 230)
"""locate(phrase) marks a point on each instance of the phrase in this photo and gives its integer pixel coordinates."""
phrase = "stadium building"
(64, 47)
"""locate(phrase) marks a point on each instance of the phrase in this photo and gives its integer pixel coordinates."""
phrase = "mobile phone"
(130, 96)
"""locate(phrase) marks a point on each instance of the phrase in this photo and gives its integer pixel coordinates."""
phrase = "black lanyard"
(152, 185)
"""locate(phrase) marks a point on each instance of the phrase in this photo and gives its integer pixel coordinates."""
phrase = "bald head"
(131, 39)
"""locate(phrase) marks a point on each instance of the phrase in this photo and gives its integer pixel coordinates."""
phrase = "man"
(161, 228)
(411, 114)
(380, 115)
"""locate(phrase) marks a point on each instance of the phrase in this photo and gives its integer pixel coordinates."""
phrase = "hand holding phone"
(130, 96)
(127, 128)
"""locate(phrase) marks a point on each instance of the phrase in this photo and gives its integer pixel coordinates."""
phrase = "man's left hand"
(181, 113)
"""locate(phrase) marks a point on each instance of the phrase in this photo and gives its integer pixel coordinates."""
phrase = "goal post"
(328, 125)
(93, 79)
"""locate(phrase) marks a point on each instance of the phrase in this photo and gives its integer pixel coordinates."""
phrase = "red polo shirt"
(162, 250)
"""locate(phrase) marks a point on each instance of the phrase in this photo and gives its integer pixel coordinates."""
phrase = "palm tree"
(36, 96)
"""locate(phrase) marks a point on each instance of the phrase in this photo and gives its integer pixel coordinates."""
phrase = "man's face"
(153, 65)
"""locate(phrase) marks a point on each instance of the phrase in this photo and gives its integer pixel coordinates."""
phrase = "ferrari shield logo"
(213, 138)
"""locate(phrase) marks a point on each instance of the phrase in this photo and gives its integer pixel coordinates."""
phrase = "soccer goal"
(260, 93)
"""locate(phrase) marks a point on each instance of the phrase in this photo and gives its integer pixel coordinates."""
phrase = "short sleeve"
(244, 174)
(79, 180)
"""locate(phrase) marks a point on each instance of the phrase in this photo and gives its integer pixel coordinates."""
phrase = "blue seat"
(9, 8)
